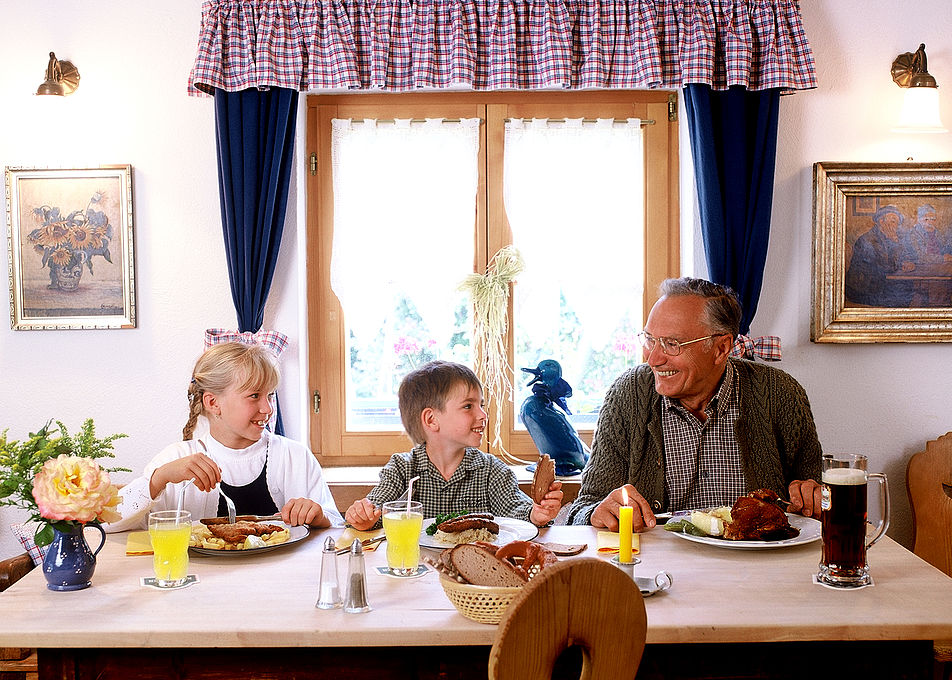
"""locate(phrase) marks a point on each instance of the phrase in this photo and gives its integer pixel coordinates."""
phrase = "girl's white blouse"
(293, 472)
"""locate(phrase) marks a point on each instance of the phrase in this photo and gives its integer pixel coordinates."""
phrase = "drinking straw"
(410, 492)
(181, 497)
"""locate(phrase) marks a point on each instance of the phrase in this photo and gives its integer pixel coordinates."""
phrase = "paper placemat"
(607, 542)
(138, 543)
(347, 538)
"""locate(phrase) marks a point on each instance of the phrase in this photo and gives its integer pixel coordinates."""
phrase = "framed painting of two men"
(882, 252)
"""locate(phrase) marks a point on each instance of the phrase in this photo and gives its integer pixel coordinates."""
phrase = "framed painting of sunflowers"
(71, 248)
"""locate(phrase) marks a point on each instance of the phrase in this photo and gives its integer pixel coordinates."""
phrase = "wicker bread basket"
(483, 604)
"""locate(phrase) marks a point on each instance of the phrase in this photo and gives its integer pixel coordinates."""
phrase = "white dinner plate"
(298, 533)
(809, 532)
(509, 530)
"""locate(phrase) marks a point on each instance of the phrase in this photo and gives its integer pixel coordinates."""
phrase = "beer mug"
(843, 518)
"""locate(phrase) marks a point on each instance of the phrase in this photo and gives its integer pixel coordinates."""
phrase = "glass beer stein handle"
(883, 507)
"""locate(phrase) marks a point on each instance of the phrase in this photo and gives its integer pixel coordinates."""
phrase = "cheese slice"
(347, 538)
(138, 543)
(608, 542)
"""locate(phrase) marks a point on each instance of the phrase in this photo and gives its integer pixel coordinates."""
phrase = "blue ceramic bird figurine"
(550, 429)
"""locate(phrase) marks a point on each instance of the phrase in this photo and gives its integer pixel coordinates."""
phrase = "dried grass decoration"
(490, 295)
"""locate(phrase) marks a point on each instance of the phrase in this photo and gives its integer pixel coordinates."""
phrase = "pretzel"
(527, 557)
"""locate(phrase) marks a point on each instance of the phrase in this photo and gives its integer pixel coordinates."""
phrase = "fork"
(231, 505)
(364, 543)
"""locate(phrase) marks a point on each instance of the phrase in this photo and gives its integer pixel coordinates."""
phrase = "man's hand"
(805, 497)
(606, 514)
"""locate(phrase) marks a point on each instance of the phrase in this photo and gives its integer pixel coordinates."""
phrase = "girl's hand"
(198, 466)
(544, 512)
(298, 511)
(362, 515)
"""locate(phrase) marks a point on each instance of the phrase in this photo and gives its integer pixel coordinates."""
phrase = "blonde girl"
(232, 386)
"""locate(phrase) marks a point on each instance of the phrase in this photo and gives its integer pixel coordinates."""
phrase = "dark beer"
(843, 521)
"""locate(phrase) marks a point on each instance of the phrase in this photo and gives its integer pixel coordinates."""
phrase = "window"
(409, 193)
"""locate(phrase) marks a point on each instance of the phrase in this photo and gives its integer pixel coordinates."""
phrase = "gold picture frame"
(882, 252)
(71, 248)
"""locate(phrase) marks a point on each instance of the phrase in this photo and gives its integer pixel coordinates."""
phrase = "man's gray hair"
(722, 310)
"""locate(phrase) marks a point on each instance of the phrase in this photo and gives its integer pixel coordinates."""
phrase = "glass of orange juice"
(402, 523)
(169, 531)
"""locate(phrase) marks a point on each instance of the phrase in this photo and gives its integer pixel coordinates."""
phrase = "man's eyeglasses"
(669, 346)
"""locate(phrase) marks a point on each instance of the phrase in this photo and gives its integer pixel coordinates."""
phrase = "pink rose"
(75, 488)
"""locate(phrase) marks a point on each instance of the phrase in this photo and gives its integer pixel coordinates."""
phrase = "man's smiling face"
(695, 374)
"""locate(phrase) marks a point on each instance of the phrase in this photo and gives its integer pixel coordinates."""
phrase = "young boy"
(441, 405)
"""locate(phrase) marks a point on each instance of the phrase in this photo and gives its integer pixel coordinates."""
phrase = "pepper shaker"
(330, 587)
(356, 600)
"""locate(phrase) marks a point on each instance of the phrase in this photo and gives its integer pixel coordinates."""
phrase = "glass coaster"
(420, 570)
(150, 582)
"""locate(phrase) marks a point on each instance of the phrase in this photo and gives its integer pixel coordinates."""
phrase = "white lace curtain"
(575, 201)
(402, 188)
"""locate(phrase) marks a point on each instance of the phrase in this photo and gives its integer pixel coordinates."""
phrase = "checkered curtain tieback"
(767, 347)
(273, 340)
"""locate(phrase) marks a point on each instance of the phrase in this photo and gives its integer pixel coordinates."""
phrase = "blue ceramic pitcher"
(68, 563)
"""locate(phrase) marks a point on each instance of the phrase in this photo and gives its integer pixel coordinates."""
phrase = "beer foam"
(844, 476)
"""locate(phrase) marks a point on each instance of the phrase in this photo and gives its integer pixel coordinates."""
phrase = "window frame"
(326, 361)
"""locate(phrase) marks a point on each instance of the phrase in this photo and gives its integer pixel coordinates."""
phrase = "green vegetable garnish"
(684, 526)
(439, 519)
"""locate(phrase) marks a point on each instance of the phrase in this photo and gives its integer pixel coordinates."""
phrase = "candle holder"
(627, 567)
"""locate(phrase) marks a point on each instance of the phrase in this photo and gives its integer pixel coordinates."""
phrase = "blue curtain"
(254, 132)
(734, 143)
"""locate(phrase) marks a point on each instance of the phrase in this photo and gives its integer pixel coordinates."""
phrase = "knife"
(242, 518)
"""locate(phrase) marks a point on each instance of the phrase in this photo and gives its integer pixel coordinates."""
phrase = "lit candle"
(624, 530)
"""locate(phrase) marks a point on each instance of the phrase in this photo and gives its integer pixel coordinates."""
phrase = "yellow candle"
(624, 533)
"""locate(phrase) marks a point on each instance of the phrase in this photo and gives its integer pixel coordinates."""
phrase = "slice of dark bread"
(543, 478)
(481, 568)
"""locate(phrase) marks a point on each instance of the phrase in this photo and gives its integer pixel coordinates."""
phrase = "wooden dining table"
(728, 613)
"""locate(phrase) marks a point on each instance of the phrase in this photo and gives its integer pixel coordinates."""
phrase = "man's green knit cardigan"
(775, 433)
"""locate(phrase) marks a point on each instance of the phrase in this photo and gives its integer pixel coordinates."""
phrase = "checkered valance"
(400, 45)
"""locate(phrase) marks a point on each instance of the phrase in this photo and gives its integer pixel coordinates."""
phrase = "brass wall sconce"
(62, 78)
(920, 108)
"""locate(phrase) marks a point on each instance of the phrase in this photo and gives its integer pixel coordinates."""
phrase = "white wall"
(134, 58)
(883, 400)
(131, 107)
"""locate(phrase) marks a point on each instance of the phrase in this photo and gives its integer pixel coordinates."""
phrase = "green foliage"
(21, 461)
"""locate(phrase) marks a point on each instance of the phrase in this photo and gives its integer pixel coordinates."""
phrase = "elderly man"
(692, 427)
(925, 242)
(878, 253)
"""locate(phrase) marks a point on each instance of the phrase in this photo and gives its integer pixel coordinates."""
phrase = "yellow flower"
(75, 488)
(61, 256)
(57, 234)
(80, 238)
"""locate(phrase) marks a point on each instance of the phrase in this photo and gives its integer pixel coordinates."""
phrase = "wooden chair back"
(584, 602)
(16, 662)
(931, 506)
(13, 569)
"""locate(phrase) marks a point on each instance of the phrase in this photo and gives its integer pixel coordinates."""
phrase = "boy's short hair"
(428, 387)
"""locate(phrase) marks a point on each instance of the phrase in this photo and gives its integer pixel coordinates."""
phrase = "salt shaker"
(356, 600)
(330, 587)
